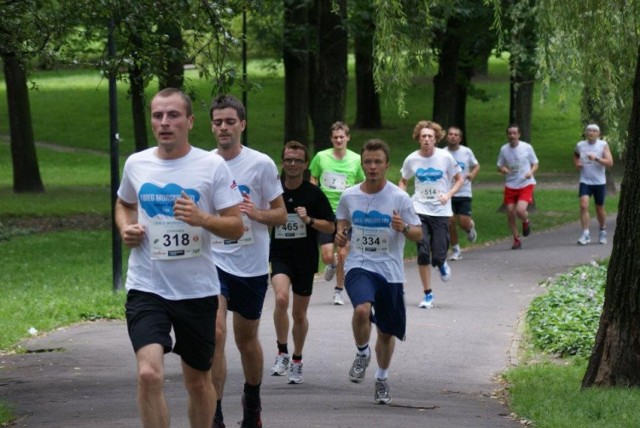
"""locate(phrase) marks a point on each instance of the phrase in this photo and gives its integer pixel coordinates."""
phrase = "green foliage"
(397, 56)
(593, 44)
(550, 396)
(564, 320)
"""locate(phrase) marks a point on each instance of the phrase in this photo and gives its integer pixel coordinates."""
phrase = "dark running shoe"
(526, 230)
(218, 423)
(516, 244)
(251, 414)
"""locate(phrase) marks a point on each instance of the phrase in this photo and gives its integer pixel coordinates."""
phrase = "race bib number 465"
(293, 229)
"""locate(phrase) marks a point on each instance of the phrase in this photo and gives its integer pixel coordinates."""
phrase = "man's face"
(513, 135)
(169, 121)
(293, 163)
(339, 138)
(454, 137)
(593, 134)
(227, 127)
(374, 165)
(427, 139)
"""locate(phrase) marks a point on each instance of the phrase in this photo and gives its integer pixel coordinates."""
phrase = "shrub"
(564, 321)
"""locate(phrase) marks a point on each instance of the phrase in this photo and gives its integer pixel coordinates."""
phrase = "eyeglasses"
(293, 161)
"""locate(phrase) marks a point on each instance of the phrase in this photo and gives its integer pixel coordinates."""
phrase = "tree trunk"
(523, 67)
(329, 71)
(445, 85)
(615, 358)
(138, 102)
(459, 112)
(368, 114)
(26, 173)
(172, 75)
(296, 71)
(521, 103)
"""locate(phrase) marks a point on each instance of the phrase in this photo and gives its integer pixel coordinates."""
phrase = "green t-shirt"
(335, 175)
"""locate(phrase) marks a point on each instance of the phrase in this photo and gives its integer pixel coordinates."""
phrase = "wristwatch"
(311, 221)
(406, 228)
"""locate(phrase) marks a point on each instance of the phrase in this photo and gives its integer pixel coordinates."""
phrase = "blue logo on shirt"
(244, 189)
(430, 174)
(371, 219)
(156, 200)
(461, 164)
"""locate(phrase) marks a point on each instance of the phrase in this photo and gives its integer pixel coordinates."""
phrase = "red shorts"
(512, 196)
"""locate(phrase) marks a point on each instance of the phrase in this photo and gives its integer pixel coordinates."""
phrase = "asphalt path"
(444, 375)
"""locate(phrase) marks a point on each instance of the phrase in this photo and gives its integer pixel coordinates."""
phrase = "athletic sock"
(363, 351)
(219, 410)
(252, 395)
(382, 374)
(282, 348)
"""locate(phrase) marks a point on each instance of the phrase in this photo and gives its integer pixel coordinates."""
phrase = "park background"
(57, 242)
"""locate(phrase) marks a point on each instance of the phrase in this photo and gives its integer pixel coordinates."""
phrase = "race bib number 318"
(174, 240)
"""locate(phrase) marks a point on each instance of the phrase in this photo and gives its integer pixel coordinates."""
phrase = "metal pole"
(114, 137)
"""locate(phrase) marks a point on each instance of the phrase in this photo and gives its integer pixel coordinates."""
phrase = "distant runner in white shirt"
(461, 201)
(437, 179)
(518, 162)
(591, 157)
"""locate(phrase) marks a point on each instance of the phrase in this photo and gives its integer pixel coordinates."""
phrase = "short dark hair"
(167, 92)
(295, 145)
(512, 125)
(454, 127)
(375, 144)
(227, 101)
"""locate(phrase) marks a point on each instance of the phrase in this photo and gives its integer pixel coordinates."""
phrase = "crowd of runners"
(209, 232)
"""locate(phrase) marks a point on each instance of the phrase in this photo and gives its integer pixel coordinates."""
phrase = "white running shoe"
(329, 272)
(602, 238)
(382, 393)
(337, 298)
(281, 365)
(358, 368)
(295, 372)
(445, 272)
(584, 239)
(472, 236)
(426, 302)
(456, 255)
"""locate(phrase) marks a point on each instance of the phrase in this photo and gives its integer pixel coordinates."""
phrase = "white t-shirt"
(434, 175)
(519, 160)
(466, 160)
(175, 260)
(375, 246)
(592, 172)
(256, 175)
